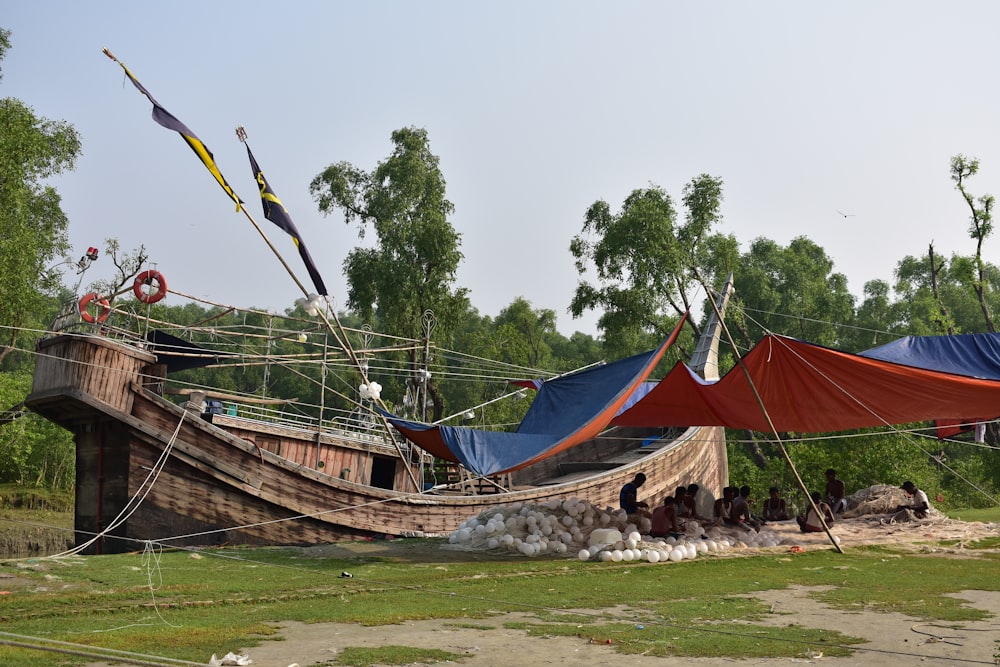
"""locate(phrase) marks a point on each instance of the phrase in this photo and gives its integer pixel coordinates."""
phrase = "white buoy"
(584, 554)
(653, 556)
(676, 555)
(616, 555)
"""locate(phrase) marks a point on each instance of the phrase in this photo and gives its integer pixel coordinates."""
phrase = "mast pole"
(334, 326)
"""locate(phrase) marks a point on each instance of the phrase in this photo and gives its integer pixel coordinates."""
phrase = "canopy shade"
(807, 388)
(567, 411)
(975, 355)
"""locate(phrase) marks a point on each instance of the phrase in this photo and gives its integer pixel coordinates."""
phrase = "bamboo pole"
(774, 431)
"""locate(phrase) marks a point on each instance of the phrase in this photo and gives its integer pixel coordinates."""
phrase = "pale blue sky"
(536, 109)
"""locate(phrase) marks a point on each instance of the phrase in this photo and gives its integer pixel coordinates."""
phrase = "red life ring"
(150, 277)
(104, 308)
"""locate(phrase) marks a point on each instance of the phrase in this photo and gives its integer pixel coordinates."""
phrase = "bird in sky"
(845, 215)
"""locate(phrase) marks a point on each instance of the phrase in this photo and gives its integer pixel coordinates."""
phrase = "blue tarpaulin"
(974, 355)
(567, 411)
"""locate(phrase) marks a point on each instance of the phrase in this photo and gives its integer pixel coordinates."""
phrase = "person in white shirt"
(919, 505)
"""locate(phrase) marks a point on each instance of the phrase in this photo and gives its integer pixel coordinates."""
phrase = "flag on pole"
(275, 211)
(169, 121)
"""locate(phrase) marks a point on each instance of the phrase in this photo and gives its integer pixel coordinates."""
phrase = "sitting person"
(740, 511)
(628, 497)
(919, 505)
(664, 519)
(775, 508)
(810, 522)
(835, 492)
(722, 511)
(681, 505)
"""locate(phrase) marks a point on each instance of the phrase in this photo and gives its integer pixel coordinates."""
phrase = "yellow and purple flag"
(275, 211)
(169, 121)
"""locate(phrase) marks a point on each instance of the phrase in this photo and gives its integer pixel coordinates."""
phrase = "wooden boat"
(148, 468)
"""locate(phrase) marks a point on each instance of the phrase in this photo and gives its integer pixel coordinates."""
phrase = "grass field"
(196, 602)
(189, 604)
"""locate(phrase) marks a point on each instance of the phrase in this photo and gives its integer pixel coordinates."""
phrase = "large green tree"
(650, 265)
(411, 268)
(33, 227)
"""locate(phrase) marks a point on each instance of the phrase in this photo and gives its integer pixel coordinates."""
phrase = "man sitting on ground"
(835, 492)
(628, 497)
(664, 520)
(919, 505)
(775, 508)
(810, 521)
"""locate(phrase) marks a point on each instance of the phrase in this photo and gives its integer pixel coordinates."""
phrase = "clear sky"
(536, 110)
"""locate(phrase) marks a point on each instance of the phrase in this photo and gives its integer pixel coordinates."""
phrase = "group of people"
(734, 507)
(669, 518)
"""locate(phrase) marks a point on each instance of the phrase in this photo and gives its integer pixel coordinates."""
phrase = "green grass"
(231, 598)
(984, 515)
(355, 656)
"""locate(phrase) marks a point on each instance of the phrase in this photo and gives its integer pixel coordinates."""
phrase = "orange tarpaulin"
(806, 388)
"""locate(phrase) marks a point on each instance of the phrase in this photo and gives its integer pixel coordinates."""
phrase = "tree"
(412, 268)
(792, 290)
(980, 228)
(33, 227)
(649, 265)
(933, 295)
(876, 315)
(534, 326)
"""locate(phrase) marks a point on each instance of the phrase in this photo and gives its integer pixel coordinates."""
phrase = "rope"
(93, 652)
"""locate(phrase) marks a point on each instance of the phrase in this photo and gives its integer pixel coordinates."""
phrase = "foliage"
(641, 294)
(980, 228)
(861, 459)
(792, 290)
(33, 227)
(411, 269)
(33, 451)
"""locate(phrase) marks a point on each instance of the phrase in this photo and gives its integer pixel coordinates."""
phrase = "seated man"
(664, 520)
(919, 505)
(835, 492)
(740, 511)
(810, 522)
(775, 508)
(722, 511)
(628, 497)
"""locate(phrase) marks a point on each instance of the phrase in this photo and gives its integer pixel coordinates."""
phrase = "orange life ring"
(104, 308)
(150, 277)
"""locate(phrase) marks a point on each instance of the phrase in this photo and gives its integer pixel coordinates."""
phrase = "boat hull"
(151, 470)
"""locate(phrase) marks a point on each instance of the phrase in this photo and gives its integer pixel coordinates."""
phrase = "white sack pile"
(576, 528)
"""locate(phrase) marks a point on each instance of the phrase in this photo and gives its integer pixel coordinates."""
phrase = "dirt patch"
(890, 639)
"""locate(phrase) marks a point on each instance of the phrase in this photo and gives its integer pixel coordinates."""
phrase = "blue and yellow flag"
(275, 211)
(169, 121)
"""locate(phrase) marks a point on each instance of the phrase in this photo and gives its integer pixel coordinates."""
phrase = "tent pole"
(774, 431)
